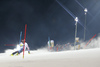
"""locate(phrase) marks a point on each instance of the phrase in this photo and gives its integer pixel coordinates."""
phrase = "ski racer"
(21, 48)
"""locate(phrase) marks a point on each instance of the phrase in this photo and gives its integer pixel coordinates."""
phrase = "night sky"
(46, 18)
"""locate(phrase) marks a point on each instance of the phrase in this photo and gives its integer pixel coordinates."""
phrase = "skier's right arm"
(28, 49)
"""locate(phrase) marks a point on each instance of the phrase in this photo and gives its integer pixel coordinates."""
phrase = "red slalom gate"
(9, 45)
(24, 39)
(90, 40)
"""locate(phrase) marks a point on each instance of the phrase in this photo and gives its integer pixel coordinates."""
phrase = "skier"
(21, 48)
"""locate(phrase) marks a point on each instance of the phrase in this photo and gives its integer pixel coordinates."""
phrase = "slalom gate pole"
(24, 40)
(49, 43)
(90, 40)
(20, 37)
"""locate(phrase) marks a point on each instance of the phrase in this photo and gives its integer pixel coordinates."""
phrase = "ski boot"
(17, 54)
(11, 55)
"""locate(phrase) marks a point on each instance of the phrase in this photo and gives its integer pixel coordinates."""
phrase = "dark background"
(46, 18)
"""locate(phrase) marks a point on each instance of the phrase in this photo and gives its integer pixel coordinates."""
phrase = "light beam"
(66, 9)
(69, 12)
(82, 6)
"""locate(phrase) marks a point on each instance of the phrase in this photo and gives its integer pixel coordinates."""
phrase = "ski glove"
(28, 52)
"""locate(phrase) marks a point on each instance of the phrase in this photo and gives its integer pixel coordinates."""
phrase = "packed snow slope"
(85, 57)
(44, 58)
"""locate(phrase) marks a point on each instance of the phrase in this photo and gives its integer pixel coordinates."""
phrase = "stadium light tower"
(85, 10)
(76, 19)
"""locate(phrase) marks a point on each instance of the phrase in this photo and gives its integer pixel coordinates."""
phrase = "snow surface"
(88, 57)
(43, 58)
